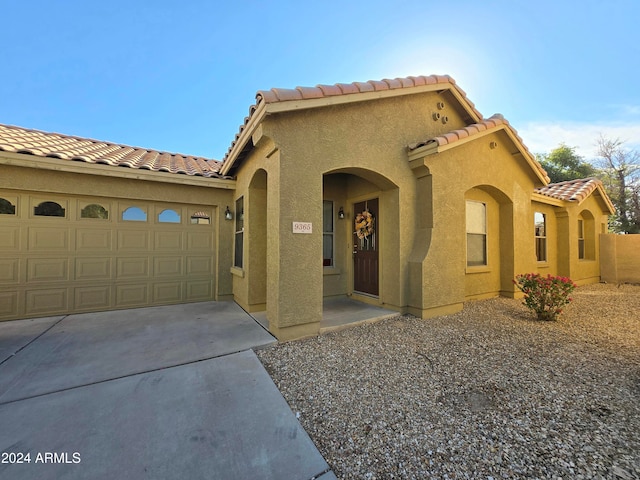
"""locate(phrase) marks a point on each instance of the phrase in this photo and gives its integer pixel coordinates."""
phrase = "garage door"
(66, 254)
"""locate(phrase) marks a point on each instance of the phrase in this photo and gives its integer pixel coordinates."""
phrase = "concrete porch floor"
(340, 312)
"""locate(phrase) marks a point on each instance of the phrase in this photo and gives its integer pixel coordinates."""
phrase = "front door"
(365, 247)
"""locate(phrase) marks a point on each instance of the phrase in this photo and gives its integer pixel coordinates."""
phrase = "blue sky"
(181, 76)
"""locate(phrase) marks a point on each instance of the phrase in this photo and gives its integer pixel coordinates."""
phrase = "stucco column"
(436, 264)
(565, 242)
(294, 260)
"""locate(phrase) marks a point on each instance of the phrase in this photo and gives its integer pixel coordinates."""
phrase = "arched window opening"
(169, 216)
(49, 209)
(94, 211)
(6, 207)
(134, 214)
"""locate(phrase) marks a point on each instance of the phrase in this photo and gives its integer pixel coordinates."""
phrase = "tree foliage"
(620, 169)
(563, 164)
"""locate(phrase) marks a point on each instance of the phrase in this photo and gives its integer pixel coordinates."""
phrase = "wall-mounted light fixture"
(341, 213)
(227, 214)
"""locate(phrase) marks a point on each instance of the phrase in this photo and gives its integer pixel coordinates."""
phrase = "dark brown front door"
(365, 247)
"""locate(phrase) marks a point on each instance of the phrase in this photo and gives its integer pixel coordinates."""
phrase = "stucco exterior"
(416, 150)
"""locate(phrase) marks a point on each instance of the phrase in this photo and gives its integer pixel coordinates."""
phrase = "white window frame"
(475, 229)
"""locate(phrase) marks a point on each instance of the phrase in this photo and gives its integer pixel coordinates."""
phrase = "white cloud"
(541, 137)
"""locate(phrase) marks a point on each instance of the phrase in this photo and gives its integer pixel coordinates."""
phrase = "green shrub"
(545, 295)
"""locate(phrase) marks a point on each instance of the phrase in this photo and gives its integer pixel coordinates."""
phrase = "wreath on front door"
(364, 224)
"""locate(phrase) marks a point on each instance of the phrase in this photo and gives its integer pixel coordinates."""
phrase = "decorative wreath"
(364, 224)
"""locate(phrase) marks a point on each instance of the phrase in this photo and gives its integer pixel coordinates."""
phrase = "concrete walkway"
(162, 393)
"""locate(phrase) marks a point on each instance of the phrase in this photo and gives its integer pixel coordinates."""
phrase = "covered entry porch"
(340, 312)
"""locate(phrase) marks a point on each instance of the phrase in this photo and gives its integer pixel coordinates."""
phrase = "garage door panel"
(92, 298)
(168, 240)
(132, 267)
(47, 269)
(133, 240)
(43, 239)
(199, 265)
(9, 238)
(9, 268)
(199, 241)
(131, 295)
(8, 304)
(93, 268)
(91, 239)
(167, 266)
(167, 292)
(46, 301)
(199, 290)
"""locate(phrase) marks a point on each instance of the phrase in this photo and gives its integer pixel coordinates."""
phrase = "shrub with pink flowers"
(545, 295)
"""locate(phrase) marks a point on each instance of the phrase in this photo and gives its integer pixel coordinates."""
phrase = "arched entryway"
(256, 242)
(361, 237)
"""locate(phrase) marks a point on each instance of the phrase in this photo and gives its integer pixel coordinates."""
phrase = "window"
(239, 235)
(476, 234)
(94, 211)
(6, 208)
(134, 214)
(540, 225)
(200, 218)
(327, 233)
(581, 239)
(49, 209)
(169, 216)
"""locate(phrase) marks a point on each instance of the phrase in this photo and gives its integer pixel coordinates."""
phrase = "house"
(397, 193)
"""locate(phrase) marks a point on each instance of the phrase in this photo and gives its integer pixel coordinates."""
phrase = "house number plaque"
(302, 227)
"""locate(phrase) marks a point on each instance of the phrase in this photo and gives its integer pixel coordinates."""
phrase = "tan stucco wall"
(551, 265)
(620, 258)
(345, 153)
(493, 175)
(587, 270)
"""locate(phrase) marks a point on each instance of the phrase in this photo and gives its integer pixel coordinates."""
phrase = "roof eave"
(54, 164)
(255, 118)
(435, 147)
(308, 103)
(546, 199)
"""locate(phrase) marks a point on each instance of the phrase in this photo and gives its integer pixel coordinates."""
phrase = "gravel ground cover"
(489, 392)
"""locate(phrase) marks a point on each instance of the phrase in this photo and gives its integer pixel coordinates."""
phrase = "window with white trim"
(476, 233)
(581, 239)
(540, 226)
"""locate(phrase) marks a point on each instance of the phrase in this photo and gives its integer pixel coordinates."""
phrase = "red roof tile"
(494, 121)
(276, 95)
(54, 145)
(572, 190)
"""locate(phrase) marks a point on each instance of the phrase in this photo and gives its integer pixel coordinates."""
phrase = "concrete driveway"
(168, 392)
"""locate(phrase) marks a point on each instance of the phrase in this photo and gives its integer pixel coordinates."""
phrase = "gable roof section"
(282, 99)
(474, 131)
(576, 191)
(67, 148)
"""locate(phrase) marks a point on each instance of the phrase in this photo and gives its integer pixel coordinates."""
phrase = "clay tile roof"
(475, 128)
(572, 190)
(276, 95)
(301, 93)
(64, 147)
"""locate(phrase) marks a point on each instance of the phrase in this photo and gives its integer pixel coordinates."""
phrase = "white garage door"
(66, 254)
